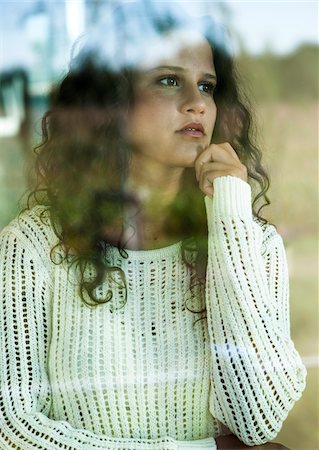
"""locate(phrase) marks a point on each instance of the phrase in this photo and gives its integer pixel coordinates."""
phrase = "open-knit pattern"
(144, 376)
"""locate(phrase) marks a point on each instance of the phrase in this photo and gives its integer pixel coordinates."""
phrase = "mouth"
(194, 129)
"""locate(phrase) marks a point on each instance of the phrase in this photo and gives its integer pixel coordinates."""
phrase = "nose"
(193, 101)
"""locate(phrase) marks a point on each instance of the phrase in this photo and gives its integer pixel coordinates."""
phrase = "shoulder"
(33, 231)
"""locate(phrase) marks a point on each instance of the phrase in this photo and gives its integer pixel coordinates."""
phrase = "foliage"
(293, 77)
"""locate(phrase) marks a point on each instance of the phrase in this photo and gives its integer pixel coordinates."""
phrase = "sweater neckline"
(152, 254)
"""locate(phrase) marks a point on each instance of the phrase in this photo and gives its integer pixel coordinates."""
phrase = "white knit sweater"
(145, 376)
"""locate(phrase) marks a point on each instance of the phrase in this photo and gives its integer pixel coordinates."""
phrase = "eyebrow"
(181, 69)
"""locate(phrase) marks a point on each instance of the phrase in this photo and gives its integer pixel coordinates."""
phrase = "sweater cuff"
(202, 444)
(231, 198)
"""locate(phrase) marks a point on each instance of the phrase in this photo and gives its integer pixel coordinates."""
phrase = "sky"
(277, 25)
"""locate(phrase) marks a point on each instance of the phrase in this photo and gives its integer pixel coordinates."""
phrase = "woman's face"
(173, 114)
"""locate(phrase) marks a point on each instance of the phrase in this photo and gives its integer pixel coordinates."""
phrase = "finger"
(211, 167)
(221, 153)
(207, 183)
(230, 150)
(239, 171)
(210, 171)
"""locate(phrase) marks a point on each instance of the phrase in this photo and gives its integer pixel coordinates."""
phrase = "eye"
(169, 80)
(207, 87)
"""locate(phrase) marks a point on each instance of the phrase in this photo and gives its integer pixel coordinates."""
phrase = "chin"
(191, 153)
(189, 161)
(188, 165)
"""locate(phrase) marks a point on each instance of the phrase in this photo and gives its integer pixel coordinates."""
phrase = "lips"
(193, 129)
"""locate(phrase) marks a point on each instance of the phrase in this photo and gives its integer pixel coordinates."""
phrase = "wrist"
(232, 198)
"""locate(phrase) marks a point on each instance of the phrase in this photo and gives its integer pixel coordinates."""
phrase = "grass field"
(290, 140)
(290, 135)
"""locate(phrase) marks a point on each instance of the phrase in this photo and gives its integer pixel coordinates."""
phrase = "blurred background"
(276, 48)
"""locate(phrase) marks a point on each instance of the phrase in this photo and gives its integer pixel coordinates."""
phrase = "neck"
(156, 188)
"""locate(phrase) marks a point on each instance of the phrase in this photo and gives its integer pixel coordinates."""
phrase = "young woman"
(144, 302)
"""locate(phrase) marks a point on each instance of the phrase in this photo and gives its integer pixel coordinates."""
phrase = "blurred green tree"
(270, 77)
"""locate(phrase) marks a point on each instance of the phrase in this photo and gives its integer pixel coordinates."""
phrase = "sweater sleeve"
(25, 395)
(256, 372)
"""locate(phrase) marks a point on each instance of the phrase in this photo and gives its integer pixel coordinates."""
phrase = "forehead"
(180, 48)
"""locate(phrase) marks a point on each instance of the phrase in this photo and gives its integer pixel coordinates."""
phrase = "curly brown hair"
(83, 160)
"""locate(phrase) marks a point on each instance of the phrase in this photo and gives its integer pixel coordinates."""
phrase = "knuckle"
(243, 168)
(235, 172)
(227, 146)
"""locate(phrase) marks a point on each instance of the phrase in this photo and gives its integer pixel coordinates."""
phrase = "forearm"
(55, 435)
(256, 372)
(231, 442)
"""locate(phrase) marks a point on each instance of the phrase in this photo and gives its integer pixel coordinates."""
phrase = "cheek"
(140, 111)
(141, 126)
(148, 117)
(136, 120)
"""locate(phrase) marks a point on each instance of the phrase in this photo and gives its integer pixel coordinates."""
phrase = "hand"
(217, 160)
(231, 442)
